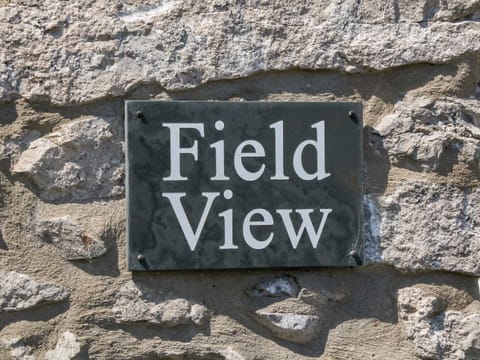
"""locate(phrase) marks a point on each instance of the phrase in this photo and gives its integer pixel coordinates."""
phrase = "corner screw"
(353, 117)
(140, 257)
(139, 115)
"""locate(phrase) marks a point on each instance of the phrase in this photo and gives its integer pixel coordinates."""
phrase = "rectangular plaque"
(219, 185)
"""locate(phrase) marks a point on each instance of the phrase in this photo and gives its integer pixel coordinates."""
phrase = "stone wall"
(66, 69)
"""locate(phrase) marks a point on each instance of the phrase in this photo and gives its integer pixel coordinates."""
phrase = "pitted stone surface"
(18, 349)
(424, 226)
(70, 238)
(16, 144)
(297, 328)
(67, 348)
(82, 52)
(197, 353)
(438, 333)
(19, 292)
(285, 285)
(231, 354)
(433, 134)
(78, 161)
(143, 304)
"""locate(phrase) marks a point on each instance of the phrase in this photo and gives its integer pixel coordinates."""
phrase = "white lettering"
(259, 151)
(190, 235)
(319, 145)
(176, 150)
(247, 234)
(219, 147)
(228, 226)
(279, 162)
(306, 224)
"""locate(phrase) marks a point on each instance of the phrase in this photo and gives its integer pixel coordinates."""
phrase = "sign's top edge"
(245, 102)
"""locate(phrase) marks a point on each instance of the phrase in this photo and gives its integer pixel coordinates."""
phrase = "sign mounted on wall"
(219, 185)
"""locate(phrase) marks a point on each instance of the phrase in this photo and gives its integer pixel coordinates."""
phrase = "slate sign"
(219, 185)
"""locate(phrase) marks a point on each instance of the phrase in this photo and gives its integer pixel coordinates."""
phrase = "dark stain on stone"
(3, 244)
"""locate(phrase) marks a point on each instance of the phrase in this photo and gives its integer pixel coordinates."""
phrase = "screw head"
(139, 114)
(353, 117)
(140, 257)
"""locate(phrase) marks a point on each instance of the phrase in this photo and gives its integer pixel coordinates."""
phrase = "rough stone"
(8, 83)
(438, 333)
(70, 238)
(19, 292)
(16, 144)
(322, 297)
(81, 160)
(67, 348)
(288, 326)
(444, 235)
(433, 134)
(143, 304)
(197, 353)
(285, 285)
(18, 349)
(231, 354)
(83, 52)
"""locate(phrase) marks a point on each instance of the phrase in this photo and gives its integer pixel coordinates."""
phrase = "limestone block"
(230, 354)
(20, 292)
(204, 352)
(279, 286)
(438, 333)
(425, 226)
(67, 348)
(80, 52)
(433, 134)
(289, 326)
(70, 239)
(80, 160)
(18, 349)
(144, 304)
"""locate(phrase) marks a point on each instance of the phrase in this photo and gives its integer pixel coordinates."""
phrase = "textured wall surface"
(66, 68)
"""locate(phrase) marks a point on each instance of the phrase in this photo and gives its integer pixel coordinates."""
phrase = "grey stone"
(425, 226)
(438, 333)
(14, 145)
(195, 353)
(78, 161)
(433, 135)
(144, 304)
(83, 52)
(322, 298)
(18, 349)
(8, 83)
(231, 354)
(19, 292)
(70, 238)
(297, 328)
(67, 348)
(285, 285)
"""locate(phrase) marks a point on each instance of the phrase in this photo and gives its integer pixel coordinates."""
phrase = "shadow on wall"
(293, 85)
(107, 264)
(8, 113)
(389, 85)
(330, 296)
(376, 162)
(42, 312)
